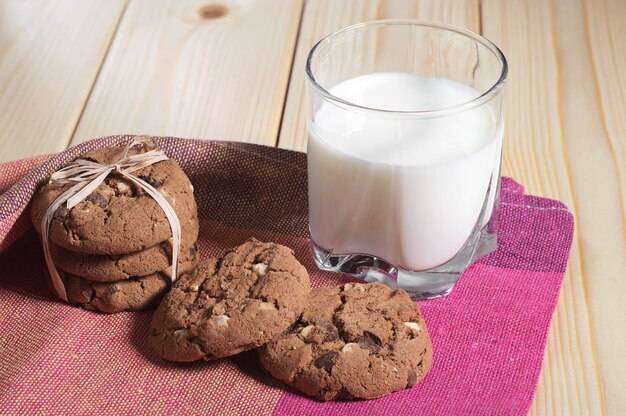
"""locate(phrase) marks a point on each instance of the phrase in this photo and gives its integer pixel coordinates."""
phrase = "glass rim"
(475, 102)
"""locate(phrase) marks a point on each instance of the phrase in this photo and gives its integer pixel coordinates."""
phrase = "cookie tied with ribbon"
(114, 201)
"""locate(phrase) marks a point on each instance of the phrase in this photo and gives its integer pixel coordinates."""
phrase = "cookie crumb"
(260, 269)
(221, 320)
(267, 306)
(306, 331)
(413, 325)
(181, 333)
(122, 188)
(349, 347)
(350, 286)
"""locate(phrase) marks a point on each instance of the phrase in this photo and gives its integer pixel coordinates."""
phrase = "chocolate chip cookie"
(237, 303)
(353, 341)
(134, 294)
(103, 268)
(118, 217)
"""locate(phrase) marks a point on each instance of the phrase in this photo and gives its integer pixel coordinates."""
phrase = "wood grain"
(533, 154)
(185, 68)
(558, 145)
(607, 38)
(600, 179)
(50, 54)
(322, 17)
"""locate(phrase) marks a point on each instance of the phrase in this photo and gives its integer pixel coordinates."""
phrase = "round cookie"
(352, 341)
(133, 294)
(237, 303)
(118, 217)
(102, 268)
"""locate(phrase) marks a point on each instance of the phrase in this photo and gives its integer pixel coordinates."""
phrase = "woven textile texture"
(488, 335)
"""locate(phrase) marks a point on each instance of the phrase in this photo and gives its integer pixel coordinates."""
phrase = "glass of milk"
(405, 139)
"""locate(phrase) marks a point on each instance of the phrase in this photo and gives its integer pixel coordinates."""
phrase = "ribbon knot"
(87, 175)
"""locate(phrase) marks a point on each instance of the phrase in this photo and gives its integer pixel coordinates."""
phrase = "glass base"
(424, 284)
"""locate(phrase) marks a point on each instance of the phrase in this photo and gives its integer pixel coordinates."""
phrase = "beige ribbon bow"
(87, 176)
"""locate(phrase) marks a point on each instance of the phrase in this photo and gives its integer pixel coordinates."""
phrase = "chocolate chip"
(331, 333)
(62, 212)
(412, 379)
(331, 336)
(99, 200)
(151, 181)
(322, 393)
(323, 331)
(86, 290)
(369, 342)
(343, 395)
(113, 289)
(191, 307)
(193, 250)
(327, 361)
(295, 327)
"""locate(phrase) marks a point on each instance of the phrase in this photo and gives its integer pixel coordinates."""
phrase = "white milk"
(405, 190)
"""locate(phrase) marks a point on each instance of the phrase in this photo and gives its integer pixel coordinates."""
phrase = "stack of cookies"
(343, 342)
(113, 250)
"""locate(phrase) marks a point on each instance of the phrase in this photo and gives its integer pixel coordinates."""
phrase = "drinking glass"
(405, 140)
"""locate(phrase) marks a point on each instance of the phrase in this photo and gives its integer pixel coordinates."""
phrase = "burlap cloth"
(488, 335)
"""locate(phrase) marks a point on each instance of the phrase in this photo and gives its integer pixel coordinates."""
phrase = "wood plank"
(185, 68)
(558, 146)
(322, 17)
(50, 54)
(607, 38)
(600, 184)
(534, 155)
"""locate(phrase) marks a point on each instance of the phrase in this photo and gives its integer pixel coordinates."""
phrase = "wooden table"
(78, 69)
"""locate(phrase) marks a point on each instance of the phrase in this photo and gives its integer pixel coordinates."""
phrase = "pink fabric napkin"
(488, 335)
